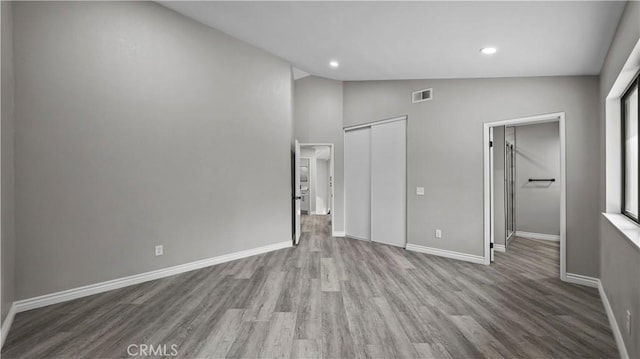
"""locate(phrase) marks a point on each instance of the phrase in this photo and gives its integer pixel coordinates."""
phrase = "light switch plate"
(420, 191)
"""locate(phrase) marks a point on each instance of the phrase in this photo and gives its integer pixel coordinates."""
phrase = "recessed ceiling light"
(334, 63)
(488, 50)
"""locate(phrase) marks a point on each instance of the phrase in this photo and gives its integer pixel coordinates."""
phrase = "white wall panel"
(388, 183)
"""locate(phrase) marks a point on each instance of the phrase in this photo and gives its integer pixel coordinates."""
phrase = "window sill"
(627, 227)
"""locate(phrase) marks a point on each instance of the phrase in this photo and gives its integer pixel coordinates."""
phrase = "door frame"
(332, 179)
(492, 229)
(296, 195)
(551, 117)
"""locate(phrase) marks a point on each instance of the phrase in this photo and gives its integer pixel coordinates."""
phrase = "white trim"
(369, 124)
(3, 331)
(581, 280)
(540, 236)
(70, 294)
(444, 253)
(6, 325)
(296, 193)
(510, 238)
(358, 238)
(344, 183)
(613, 131)
(552, 117)
(563, 196)
(613, 323)
(500, 247)
(492, 230)
(337, 234)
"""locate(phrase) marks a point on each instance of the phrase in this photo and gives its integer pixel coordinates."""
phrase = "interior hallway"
(335, 298)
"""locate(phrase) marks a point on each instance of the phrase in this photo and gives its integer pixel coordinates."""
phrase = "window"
(630, 164)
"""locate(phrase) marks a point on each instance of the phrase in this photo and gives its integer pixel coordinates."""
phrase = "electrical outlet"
(420, 191)
(438, 233)
(159, 250)
(627, 323)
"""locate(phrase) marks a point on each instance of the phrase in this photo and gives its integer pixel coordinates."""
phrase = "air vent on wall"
(422, 95)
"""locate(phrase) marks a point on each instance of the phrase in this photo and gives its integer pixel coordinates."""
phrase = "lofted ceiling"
(408, 40)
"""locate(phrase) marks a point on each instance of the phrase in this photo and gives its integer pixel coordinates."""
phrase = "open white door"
(491, 199)
(296, 192)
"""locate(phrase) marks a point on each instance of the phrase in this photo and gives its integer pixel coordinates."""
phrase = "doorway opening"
(314, 184)
(525, 187)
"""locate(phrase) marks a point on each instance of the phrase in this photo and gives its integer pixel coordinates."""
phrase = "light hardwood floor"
(335, 298)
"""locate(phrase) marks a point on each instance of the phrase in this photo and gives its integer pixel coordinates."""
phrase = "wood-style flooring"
(335, 298)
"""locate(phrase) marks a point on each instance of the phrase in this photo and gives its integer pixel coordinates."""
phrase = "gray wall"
(619, 259)
(499, 213)
(445, 152)
(7, 194)
(620, 266)
(136, 126)
(318, 119)
(538, 156)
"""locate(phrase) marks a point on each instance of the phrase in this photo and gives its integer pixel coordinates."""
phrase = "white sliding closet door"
(388, 183)
(357, 186)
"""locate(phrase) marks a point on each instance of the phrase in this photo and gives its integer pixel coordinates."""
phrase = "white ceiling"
(405, 40)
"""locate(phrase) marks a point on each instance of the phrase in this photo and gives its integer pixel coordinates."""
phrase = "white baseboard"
(66, 295)
(338, 234)
(581, 280)
(500, 247)
(358, 238)
(445, 253)
(617, 334)
(6, 325)
(540, 236)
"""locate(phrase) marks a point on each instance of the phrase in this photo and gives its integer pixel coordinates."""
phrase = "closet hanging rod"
(542, 179)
